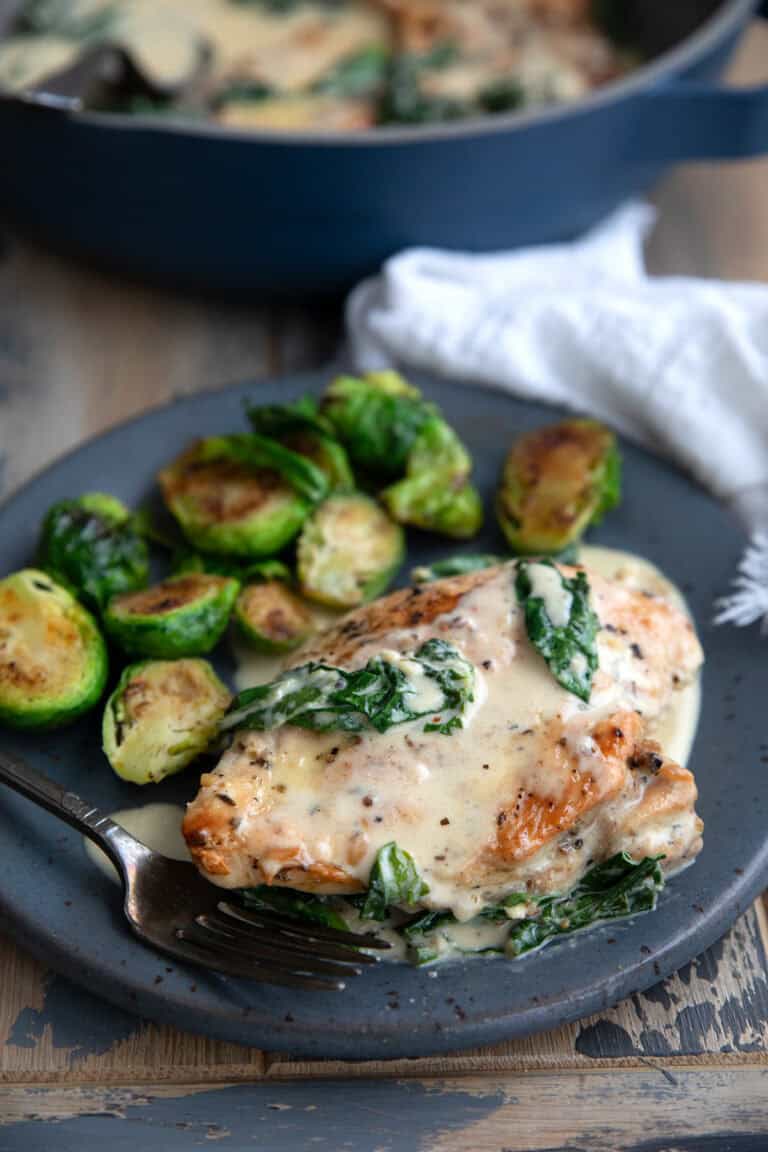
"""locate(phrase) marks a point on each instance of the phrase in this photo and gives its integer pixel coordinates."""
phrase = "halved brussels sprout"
(272, 618)
(377, 417)
(435, 493)
(161, 715)
(182, 616)
(53, 659)
(228, 499)
(245, 573)
(91, 545)
(557, 481)
(300, 427)
(348, 551)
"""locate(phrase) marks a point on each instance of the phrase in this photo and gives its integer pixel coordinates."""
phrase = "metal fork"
(170, 906)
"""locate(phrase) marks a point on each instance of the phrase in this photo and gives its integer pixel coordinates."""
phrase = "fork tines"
(273, 949)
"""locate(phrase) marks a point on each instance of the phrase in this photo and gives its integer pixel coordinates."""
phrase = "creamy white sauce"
(254, 667)
(547, 583)
(343, 799)
(434, 776)
(156, 825)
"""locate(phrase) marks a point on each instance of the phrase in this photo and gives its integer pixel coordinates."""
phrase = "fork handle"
(68, 806)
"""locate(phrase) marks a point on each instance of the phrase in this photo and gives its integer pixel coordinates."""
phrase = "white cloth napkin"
(677, 364)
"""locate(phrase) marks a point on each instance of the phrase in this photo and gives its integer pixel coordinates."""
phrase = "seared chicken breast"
(535, 788)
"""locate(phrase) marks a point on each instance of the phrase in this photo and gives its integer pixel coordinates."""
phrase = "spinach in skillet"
(379, 695)
(569, 647)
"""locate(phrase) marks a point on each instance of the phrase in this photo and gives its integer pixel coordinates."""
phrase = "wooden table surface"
(682, 1067)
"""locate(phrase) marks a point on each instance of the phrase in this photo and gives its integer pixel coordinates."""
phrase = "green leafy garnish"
(453, 566)
(619, 887)
(296, 905)
(425, 922)
(379, 695)
(243, 92)
(360, 74)
(501, 96)
(570, 649)
(394, 879)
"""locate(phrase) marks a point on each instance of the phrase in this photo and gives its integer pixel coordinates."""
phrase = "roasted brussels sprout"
(300, 428)
(53, 660)
(90, 544)
(377, 417)
(557, 481)
(161, 715)
(230, 497)
(436, 494)
(242, 571)
(393, 434)
(182, 616)
(348, 551)
(271, 617)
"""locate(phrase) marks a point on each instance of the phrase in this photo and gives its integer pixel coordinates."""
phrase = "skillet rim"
(707, 36)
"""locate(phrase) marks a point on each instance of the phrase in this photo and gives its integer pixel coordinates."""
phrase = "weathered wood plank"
(620, 1110)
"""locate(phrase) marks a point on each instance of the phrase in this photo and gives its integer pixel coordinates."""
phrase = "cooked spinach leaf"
(619, 887)
(569, 647)
(425, 922)
(453, 566)
(380, 695)
(295, 905)
(394, 879)
(360, 74)
(243, 92)
(501, 96)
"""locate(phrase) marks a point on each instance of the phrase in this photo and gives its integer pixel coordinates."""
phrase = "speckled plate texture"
(56, 904)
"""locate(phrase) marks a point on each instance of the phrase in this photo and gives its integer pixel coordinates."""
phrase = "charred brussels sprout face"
(272, 618)
(557, 481)
(53, 660)
(348, 551)
(378, 418)
(300, 428)
(160, 717)
(230, 499)
(183, 616)
(91, 545)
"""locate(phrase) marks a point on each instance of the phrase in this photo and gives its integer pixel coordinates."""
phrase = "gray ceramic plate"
(55, 903)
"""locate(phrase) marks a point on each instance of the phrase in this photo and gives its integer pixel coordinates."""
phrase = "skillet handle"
(677, 122)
